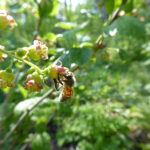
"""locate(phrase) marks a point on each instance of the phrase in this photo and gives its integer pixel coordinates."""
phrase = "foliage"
(106, 45)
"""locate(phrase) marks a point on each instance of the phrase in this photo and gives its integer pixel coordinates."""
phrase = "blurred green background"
(110, 109)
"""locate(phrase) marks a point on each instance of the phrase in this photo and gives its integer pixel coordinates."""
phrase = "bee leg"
(56, 85)
(60, 80)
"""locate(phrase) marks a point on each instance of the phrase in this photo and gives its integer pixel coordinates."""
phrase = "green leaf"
(28, 103)
(55, 9)
(41, 142)
(110, 6)
(65, 25)
(117, 3)
(48, 7)
(86, 44)
(127, 26)
(79, 56)
(128, 6)
(68, 38)
(50, 36)
(45, 7)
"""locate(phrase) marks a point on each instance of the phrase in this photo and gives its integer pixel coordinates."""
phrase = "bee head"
(68, 78)
(68, 75)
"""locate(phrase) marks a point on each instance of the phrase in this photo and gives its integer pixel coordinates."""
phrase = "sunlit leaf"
(128, 7)
(65, 25)
(128, 26)
(26, 104)
(45, 7)
(79, 56)
(55, 9)
(68, 38)
(110, 5)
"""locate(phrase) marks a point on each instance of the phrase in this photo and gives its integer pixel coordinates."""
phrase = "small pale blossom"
(38, 50)
(6, 20)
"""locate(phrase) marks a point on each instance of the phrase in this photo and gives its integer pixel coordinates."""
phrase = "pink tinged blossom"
(37, 44)
(30, 82)
(38, 51)
(61, 69)
(6, 20)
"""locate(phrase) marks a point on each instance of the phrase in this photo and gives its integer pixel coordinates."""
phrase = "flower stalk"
(22, 60)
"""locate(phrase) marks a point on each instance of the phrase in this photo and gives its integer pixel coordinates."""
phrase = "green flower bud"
(21, 52)
(33, 53)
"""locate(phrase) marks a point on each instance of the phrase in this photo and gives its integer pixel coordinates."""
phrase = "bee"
(68, 80)
(55, 73)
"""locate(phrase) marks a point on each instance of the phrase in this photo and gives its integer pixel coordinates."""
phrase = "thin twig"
(25, 114)
(115, 15)
(113, 18)
(22, 60)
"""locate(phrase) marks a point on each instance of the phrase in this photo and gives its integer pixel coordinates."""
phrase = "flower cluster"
(2, 55)
(6, 79)
(6, 20)
(56, 71)
(36, 51)
(34, 82)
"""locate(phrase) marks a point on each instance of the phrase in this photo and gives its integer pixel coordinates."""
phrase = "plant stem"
(20, 59)
(113, 18)
(25, 114)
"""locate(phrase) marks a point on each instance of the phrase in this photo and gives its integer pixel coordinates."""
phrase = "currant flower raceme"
(6, 79)
(38, 51)
(61, 70)
(34, 82)
(30, 71)
(56, 71)
(6, 20)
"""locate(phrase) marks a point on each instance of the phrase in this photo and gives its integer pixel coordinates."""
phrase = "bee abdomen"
(67, 93)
